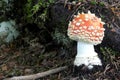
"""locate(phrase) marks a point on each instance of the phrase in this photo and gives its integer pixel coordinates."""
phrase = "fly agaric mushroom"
(87, 30)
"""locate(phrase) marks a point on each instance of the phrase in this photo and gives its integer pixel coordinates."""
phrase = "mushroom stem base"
(86, 55)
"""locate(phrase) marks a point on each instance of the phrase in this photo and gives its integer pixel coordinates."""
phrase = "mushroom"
(87, 30)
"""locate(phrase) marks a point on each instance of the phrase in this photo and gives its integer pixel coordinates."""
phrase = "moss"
(4, 9)
(36, 11)
(109, 55)
(107, 50)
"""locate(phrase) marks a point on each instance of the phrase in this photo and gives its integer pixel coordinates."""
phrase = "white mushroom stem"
(86, 55)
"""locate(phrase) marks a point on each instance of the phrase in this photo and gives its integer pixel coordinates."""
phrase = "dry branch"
(38, 75)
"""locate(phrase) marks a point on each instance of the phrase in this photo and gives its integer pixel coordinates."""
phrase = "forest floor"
(27, 55)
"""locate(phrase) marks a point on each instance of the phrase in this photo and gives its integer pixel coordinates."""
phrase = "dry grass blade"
(106, 68)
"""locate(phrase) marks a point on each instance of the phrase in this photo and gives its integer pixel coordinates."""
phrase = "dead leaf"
(4, 67)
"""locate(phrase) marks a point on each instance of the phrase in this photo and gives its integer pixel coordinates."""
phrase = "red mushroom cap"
(86, 27)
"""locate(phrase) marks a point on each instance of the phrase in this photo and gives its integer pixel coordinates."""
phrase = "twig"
(74, 11)
(38, 75)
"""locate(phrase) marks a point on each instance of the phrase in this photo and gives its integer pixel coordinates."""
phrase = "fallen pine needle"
(38, 75)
